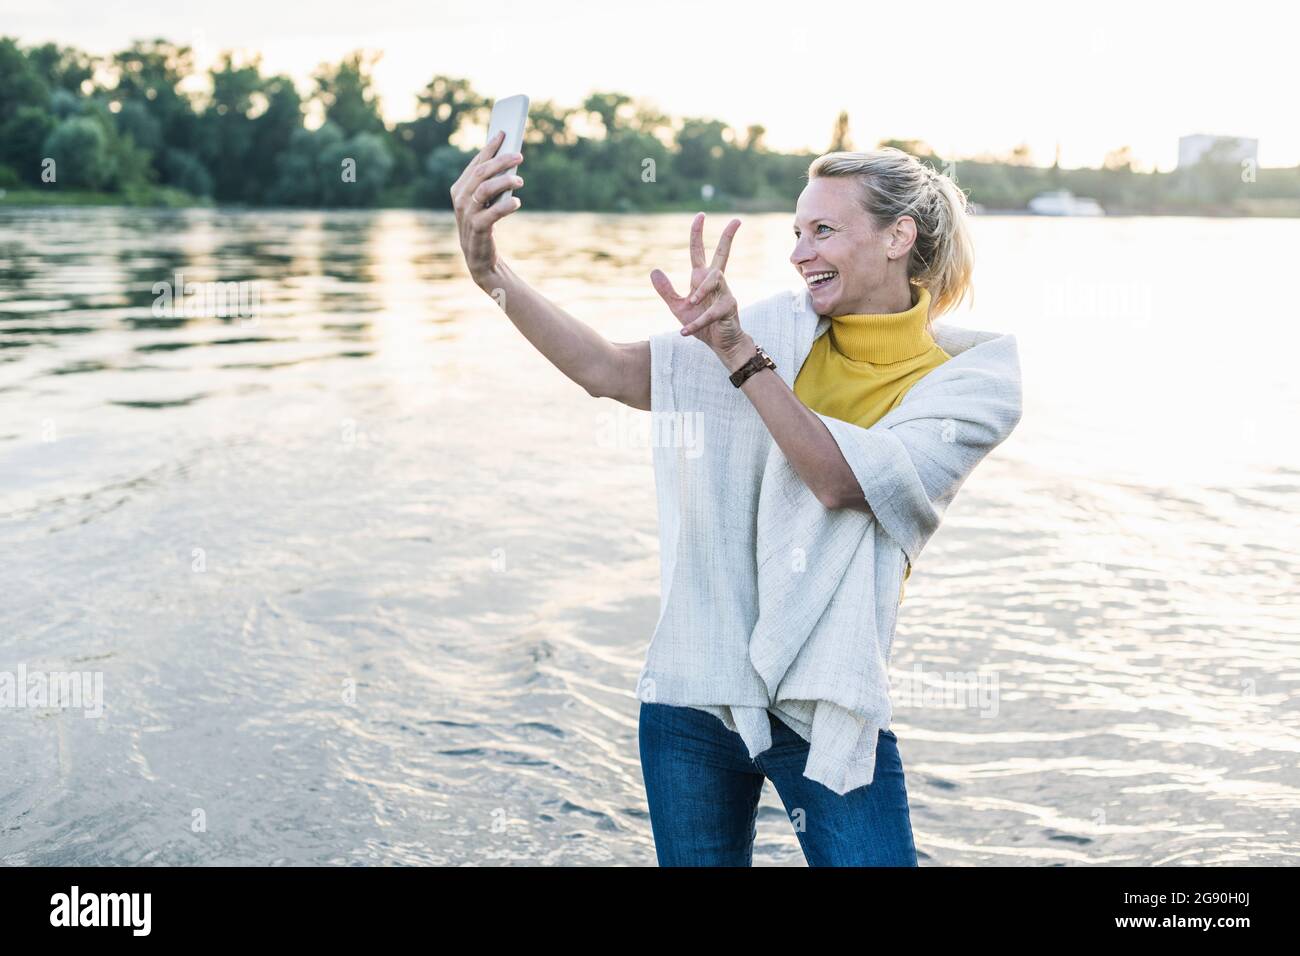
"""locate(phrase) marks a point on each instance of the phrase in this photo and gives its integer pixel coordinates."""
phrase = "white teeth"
(818, 277)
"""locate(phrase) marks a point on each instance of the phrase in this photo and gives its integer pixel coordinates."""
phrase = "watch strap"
(759, 360)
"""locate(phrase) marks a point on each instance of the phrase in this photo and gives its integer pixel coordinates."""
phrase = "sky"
(968, 78)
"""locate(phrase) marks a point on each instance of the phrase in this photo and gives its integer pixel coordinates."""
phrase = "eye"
(822, 226)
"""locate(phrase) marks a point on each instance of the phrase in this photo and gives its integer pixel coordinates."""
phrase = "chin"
(823, 301)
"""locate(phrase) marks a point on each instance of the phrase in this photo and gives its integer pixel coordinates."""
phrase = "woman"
(882, 244)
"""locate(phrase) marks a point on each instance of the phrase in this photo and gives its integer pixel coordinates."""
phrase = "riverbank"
(171, 198)
(157, 196)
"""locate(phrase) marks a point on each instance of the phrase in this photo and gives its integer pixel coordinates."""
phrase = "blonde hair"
(895, 183)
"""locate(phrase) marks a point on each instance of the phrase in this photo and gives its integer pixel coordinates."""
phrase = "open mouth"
(819, 279)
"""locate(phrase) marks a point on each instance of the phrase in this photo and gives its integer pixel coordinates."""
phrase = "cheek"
(861, 262)
(850, 259)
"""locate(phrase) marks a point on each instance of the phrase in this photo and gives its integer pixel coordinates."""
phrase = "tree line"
(131, 127)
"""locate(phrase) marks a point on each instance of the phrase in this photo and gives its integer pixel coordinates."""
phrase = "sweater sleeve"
(911, 463)
(663, 346)
(672, 357)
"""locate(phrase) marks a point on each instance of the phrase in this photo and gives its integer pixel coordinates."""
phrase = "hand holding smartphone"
(510, 115)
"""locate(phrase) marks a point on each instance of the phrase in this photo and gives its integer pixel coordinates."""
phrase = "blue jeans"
(703, 790)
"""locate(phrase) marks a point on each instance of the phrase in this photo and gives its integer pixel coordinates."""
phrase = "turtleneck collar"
(883, 338)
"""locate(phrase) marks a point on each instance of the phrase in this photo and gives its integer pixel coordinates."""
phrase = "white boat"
(1062, 202)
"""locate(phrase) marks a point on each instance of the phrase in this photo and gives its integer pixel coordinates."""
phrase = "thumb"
(663, 285)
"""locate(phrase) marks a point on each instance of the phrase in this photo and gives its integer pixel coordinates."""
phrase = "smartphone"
(510, 115)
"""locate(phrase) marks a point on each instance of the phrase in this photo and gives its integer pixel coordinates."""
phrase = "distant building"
(1237, 148)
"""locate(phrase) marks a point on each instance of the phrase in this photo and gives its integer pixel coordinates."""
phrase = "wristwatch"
(758, 361)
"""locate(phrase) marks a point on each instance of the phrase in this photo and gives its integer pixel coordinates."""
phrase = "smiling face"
(850, 266)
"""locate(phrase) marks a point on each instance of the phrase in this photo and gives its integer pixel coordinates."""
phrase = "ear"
(901, 237)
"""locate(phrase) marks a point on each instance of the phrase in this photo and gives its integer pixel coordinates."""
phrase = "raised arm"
(801, 435)
(620, 371)
(711, 314)
(617, 370)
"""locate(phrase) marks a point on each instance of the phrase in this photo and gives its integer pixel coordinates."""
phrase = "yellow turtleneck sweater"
(863, 365)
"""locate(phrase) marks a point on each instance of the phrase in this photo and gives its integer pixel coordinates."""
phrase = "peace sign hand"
(710, 312)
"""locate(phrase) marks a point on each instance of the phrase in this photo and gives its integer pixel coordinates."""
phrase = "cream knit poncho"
(769, 600)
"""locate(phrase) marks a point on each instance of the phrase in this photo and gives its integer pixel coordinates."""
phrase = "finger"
(707, 285)
(724, 245)
(491, 146)
(486, 170)
(664, 287)
(480, 242)
(488, 215)
(697, 241)
(474, 175)
(491, 188)
(488, 149)
(719, 310)
(501, 166)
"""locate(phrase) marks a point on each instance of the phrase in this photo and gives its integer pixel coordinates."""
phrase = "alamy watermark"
(946, 690)
(194, 300)
(1070, 298)
(625, 428)
(77, 690)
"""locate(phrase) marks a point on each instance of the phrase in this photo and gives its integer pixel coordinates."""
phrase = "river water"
(366, 580)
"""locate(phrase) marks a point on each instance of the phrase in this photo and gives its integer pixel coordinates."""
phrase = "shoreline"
(174, 199)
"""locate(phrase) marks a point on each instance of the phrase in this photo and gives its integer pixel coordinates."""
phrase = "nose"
(800, 253)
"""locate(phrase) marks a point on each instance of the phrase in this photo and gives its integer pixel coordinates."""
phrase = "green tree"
(441, 169)
(548, 125)
(738, 173)
(134, 119)
(914, 147)
(149, 74)
(700, 148)
(298, 176)
(22, 137)
(273, 132)
(443, 106)
(1118, 159)
(131, 164)
(20, 83)
(651, 121)
(356, 171)
(63, 67)
(228, 129)
(79, 148)
(346, 90)
(184, 170)
(606, 107)
(840, 136)
(1217, 176)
